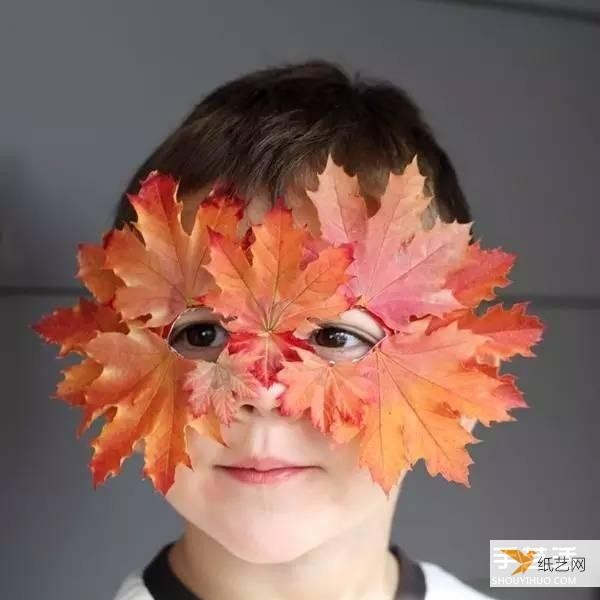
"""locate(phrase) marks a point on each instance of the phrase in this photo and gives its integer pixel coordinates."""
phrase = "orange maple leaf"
(140, 393)
(507, 394)
(164, 274)
(268, 294)
(221, 386)
(479, 273)
(71, 389)
(423, 388)
(329, 392)
(98, 279)
(510, 331)
(73, 327)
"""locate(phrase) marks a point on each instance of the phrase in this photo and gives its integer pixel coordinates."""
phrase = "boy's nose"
(267, 400)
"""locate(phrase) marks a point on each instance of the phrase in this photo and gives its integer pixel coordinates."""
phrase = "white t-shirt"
(433, 583)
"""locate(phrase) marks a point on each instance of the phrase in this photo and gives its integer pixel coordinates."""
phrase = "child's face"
(274, 522)
(268, 522)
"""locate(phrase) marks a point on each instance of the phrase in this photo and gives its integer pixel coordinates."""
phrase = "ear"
(468, 423)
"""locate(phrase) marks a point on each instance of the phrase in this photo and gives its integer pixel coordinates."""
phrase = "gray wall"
(88, 89)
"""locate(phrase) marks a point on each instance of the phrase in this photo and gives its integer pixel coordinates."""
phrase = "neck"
(356, 565)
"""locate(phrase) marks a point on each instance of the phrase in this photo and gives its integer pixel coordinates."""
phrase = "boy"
(268, 134)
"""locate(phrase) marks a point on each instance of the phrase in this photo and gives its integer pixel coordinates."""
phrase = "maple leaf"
(399, 269)
(330, 392)
(73, 327)
(341, 209)
(342, 432)
(269, 294)
(343, 214)
(221, 385)
(423, 388)
(99, 280)
(410, 281)
(507, 394)
(510, 332)
(164, 274)
(75, 380)
(140, 393)
(479, 273)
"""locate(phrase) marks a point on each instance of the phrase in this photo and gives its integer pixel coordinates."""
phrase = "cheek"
(276, 522)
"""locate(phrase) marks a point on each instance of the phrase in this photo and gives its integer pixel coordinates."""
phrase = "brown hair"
(273, 129)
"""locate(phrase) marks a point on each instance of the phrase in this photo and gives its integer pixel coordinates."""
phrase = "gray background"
(510, 88)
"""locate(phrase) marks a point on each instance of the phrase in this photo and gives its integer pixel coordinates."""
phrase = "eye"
(334, 342)
(199, 339)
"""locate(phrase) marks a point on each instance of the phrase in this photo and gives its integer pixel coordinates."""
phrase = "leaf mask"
(273, 284)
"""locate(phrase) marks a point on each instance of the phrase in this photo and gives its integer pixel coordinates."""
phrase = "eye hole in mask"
(200, 340)
(197, 334)
(341, 342)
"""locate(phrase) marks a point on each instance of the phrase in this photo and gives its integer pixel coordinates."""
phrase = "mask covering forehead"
(271, 286)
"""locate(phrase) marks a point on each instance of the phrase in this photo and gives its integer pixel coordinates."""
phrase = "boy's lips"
(265, 463)
(262, 470)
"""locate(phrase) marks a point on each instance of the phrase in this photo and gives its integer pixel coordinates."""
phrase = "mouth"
(252, 476)
(264, 470)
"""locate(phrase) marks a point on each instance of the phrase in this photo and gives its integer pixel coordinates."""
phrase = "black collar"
(163, 584)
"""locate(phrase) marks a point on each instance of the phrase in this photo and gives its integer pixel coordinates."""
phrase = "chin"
(270, 525)
(269, 538)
